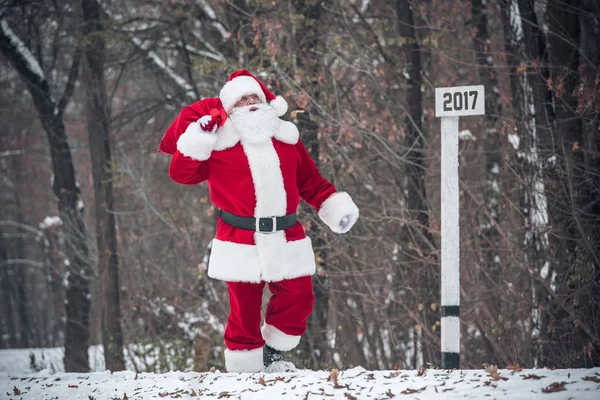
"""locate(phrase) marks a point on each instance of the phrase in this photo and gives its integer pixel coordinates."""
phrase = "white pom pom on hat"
(241, 83)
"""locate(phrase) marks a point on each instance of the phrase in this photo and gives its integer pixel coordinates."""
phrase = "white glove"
(346, 223)
(203, 122)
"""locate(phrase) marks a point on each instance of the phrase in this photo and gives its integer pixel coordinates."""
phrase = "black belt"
(268, 224)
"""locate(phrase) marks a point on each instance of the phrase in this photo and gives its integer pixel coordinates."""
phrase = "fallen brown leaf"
(493, 371)
(591, 378)
(223, 394)
(73, 386)
(333, 376)
(164, 394)
(514, 367)
(16, 391)
(554, 387)
(413, 391)
(421, 371)
(389, 393)
(261, 381)
(349, 396)
(533, 376)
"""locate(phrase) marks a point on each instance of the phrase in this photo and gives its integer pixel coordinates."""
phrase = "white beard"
(255, 126)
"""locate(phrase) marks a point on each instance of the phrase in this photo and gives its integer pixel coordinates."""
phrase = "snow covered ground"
(16, 382)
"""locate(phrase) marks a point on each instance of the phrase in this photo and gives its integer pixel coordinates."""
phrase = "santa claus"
(257, 170)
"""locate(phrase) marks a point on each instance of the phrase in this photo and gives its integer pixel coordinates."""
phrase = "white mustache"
(243, 109)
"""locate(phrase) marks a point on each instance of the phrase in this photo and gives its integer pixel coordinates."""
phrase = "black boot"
(270, 355)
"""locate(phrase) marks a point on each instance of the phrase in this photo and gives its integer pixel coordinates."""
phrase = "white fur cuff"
(280, 105)
(196, 143)
(244, 360)
(277, 339)
(336, 207)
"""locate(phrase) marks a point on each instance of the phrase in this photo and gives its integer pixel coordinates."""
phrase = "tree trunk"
(25, 312)
(55, 276)
(8, 321)
(12, 239)
(315, 345)
(526, 141)
(536, 61)
(69, 202)
(418, 228)
(98, 125)
(588, 108)
(491, 261)
(574, 302)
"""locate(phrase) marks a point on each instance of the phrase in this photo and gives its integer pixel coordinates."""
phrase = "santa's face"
(255, 122)
(247, 100)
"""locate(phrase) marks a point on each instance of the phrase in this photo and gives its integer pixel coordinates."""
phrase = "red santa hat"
(241, 83)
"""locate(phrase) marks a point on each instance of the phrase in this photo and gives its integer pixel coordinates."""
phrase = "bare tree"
(573, 326)
(98, 124)
(65, 188)
(418, 231)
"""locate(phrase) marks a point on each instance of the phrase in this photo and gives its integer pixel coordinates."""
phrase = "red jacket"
(256, 180)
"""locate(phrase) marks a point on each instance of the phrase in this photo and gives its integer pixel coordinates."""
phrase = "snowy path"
(356, 383)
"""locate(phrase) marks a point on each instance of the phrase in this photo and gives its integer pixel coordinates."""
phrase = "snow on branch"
(160, 64)
(210, 13)
(203, 53)
(196, 34)
(23, 52)
(50, 222)
(9, 153)
(156, 60)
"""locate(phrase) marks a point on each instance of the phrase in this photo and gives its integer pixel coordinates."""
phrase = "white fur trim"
(196, 143)
(271, 198)
(236, 88)
(277, 339)
(244, 360)
(271, 260)
(280, 105)
(287, 132)
(337, 206)
(227, 136)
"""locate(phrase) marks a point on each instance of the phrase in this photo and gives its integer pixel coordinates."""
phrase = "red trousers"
(289, 307)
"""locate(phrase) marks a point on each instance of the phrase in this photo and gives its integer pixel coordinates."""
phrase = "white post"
(450, 103)
(450, 323)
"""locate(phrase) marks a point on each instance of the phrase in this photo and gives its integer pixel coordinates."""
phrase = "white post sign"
(451, 103)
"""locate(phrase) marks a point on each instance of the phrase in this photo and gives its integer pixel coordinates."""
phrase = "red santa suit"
(261, 173)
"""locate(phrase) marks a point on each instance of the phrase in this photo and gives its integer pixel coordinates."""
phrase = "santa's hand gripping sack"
(257, 170)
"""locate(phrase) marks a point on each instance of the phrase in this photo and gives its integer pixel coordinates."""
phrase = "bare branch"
(71, 80)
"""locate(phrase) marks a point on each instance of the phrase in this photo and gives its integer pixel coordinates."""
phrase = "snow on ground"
(17, 381)
(48, 360)
(356, 383)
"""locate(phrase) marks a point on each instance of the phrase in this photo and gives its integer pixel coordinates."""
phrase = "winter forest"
(98, 246)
